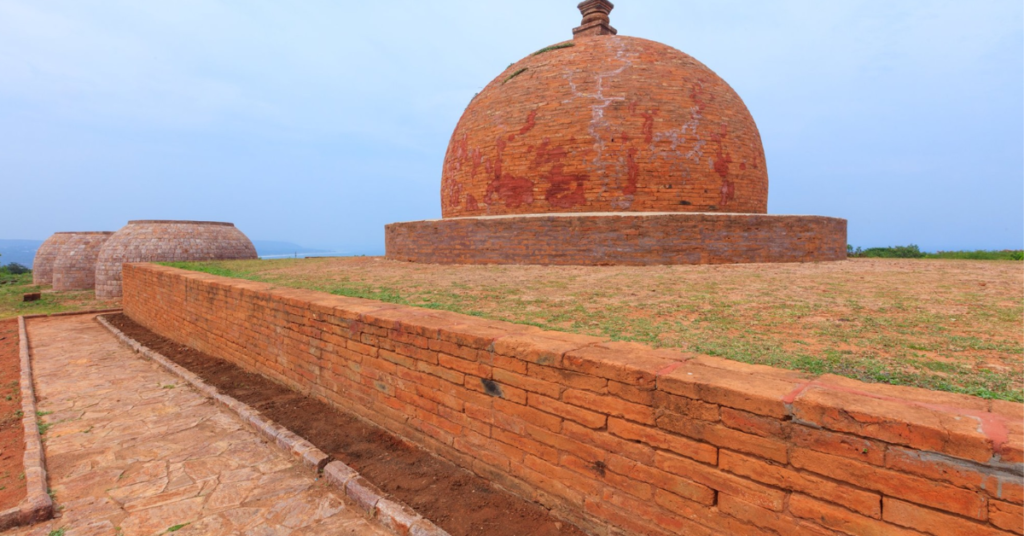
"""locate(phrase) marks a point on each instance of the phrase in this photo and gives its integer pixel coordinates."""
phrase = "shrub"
(894, 252)
(15, 269)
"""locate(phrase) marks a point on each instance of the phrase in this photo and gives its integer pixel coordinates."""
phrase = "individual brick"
(911, 488)
(1003, 485)
(701, 452)
(845, 445)
(722, 436)
(589, 419)
(1006, 516)
(862, 502)
(842, 520)
(894, 420)
(780, 523)
(754, 493)
(922, 519)
(609, 405)
(756, 389)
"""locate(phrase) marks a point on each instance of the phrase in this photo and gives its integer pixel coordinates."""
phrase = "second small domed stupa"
(609, 150)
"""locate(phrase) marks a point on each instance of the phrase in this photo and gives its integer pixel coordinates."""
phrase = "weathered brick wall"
(75, 265)
(620, 238)
(616, 436)
(605, 123)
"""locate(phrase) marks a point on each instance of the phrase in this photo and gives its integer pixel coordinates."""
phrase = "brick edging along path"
(395, 516)
(37, 504)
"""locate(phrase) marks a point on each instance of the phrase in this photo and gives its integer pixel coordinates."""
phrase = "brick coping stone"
(393, 515)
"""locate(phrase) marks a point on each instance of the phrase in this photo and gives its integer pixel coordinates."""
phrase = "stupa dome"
(605, 123)
(167, 241)
(51, 250)
(46, 255)
(75, 266)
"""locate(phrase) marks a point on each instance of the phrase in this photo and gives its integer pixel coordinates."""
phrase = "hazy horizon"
(318, 123)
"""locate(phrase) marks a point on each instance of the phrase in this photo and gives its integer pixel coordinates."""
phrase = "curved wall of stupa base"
(624, 238)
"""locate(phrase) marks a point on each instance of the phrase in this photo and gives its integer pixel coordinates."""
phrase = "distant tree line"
(913, 252)
(14, 269)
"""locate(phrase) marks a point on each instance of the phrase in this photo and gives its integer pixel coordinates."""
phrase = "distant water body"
(310, 255)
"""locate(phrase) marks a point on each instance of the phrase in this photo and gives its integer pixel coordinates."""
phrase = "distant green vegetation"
(913, 252)
(513, 75)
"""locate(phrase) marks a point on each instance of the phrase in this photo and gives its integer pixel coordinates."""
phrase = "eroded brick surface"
(130, 450)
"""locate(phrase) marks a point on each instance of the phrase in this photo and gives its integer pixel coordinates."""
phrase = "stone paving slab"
(131, 451)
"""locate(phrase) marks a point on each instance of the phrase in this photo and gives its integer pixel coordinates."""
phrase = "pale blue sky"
(318, 122)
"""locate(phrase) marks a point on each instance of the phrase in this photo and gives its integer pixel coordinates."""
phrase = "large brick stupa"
(609, 150)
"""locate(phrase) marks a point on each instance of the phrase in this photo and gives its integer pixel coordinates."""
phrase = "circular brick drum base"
(619, 239)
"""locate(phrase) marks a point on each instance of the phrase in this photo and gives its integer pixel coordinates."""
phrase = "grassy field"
(13, 287)
(950, 325)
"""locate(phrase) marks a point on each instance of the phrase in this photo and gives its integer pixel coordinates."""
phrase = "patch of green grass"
(913, 252)
(513, 75)
(567, 44)
(980, 255)
(209, 268)
(14, 287)
(176, 528)
(58, 532)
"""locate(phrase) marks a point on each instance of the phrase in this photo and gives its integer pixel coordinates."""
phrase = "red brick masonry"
(619, 238)
(600, 124)
(618, 435)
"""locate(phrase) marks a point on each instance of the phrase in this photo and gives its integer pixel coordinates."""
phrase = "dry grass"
(949, 325)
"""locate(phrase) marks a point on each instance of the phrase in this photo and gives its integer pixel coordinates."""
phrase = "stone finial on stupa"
(595, 19)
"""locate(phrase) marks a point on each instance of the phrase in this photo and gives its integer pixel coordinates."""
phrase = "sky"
(318, 122)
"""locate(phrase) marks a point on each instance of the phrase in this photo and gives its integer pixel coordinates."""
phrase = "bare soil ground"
(12, 436)
(951, 325)
(456, 500)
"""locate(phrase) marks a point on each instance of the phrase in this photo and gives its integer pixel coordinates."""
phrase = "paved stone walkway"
(132, 451)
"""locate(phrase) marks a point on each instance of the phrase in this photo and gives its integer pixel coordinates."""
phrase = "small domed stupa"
(608, 149)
